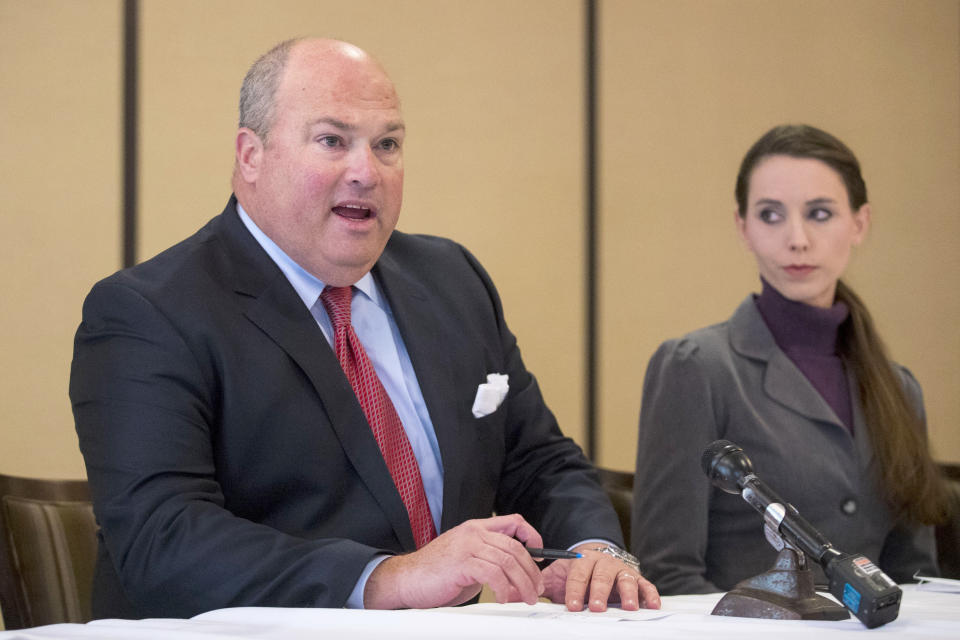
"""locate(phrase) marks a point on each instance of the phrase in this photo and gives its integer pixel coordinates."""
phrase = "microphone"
(855, 581)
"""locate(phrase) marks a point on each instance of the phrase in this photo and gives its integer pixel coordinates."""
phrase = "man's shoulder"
(207, 259)
(402, 243)
(168, 265)
(419, 252)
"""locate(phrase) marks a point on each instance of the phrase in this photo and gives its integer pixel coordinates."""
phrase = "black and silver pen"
(553, 554)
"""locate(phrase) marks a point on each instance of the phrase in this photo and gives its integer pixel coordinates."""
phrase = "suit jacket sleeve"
(671, 493)
(144, 410)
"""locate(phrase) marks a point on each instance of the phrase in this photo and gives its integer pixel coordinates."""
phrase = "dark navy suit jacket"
(229, 461)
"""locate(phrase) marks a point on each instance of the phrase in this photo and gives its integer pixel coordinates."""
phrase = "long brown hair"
(910, 480)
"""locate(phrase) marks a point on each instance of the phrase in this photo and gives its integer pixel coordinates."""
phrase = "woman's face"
(800, 227)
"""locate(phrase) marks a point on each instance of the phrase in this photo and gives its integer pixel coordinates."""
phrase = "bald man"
(295, 407)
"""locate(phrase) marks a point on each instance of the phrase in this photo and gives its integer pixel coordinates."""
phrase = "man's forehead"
(339, 69)
(337, 88)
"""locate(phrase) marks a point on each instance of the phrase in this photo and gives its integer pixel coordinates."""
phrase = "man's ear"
(249, 154)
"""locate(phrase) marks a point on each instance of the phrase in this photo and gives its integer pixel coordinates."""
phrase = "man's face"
(328, 184)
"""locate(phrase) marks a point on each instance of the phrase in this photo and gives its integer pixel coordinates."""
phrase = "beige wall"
(493, 97)
(59, 205)
(689, 85)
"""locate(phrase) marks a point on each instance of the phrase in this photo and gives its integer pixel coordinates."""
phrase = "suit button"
(849, 506)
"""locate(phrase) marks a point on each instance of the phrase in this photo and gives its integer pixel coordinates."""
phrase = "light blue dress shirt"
(374, 324)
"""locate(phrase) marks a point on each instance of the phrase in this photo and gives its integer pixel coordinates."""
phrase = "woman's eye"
(769, 215)
(820, 214)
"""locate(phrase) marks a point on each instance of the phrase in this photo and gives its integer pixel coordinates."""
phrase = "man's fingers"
(578, 578)
(454, 565)
(516, 561)
(596, 578)
(488, 573)
(649, 596)
(500, 561)
(511, 560)
(627, 586)
(601, 583)
(514, 526)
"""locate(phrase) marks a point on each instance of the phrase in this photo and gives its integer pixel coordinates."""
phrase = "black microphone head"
(726, 465)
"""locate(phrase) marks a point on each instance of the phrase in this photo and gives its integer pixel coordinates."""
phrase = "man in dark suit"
(233, 455)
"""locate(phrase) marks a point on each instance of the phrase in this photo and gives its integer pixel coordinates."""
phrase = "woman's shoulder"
(906, 375)
(714, 342)
(703, 354)
(700, 342)
(910, 384)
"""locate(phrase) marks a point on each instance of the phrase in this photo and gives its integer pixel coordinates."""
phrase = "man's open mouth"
(353, 212)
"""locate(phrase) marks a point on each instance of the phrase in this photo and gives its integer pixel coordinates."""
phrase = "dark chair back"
(619, 488)
(48, 546)
(948, 533)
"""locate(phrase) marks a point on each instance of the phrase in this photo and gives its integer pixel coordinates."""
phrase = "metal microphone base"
(785, 592)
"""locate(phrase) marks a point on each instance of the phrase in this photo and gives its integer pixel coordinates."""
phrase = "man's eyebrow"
(339, 124)
(396, 125)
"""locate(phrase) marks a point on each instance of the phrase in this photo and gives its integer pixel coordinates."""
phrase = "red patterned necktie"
(382, 416)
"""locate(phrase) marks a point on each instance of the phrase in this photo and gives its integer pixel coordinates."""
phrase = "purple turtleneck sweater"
(808, 335)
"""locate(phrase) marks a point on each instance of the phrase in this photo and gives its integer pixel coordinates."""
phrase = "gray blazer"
(731, 381)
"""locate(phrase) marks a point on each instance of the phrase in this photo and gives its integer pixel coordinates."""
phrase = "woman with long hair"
(800, 379)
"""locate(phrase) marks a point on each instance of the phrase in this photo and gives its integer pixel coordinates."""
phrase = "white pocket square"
(490, 394)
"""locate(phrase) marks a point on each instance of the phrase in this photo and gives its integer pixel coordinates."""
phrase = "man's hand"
(568, 580)
(453, 567)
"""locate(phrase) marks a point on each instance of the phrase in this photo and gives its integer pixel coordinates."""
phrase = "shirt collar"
(307, 286)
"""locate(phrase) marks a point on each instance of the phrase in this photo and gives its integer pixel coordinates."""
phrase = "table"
(923, 614)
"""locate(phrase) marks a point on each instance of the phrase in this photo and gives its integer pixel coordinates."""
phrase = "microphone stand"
(785, 592)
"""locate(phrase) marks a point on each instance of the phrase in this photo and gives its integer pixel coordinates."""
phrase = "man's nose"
(363, 167)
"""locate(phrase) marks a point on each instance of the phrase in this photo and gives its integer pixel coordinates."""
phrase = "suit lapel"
(270, 302)
(782, 380)
(418, 322)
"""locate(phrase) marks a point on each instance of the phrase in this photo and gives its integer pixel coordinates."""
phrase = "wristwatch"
(621, 555)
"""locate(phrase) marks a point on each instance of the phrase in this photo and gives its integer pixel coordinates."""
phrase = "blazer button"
(849, 506)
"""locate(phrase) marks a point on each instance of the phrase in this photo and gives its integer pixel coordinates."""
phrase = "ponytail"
(911, 481)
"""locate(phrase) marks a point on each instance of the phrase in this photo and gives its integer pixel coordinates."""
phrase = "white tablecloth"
(923, 614)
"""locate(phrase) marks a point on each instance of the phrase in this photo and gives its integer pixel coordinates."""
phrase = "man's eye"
(389, 144)
(329, 141)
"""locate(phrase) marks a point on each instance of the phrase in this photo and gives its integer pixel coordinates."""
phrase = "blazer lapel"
(782, 380)
(861, 431)
(417, 321)
(270, 302)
